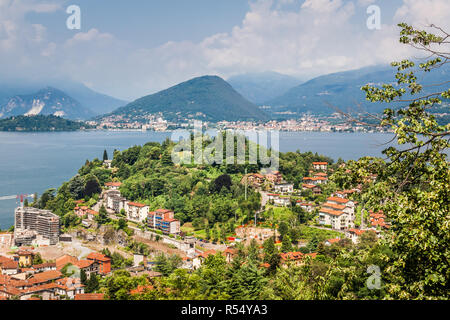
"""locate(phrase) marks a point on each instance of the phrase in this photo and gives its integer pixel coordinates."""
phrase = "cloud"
(300, 38)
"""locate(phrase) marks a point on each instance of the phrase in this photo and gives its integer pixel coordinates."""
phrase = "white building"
(284, 188)
(136, 212)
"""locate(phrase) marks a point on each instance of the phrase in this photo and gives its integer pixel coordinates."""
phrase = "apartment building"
(41, 222)
(136, 212)
(164, 220)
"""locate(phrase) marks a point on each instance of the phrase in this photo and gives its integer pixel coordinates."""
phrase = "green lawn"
(307, 233)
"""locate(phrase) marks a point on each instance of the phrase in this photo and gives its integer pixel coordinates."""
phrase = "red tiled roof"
(46, 276)
(98, 256)
(333, 240)
(358, 232)
(320, 163)
(64, 260)
(141, 289)
(332, 212)
(334, 206)
(337, 199)
(90, 296)
(113, 184)
(83, 263)
(135, 204)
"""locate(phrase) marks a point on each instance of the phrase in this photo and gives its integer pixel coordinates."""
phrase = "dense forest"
(40, 123)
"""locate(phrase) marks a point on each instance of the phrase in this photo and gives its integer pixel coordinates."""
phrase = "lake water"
(34, 162)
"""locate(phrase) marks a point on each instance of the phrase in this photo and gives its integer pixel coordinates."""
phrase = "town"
(38, 262)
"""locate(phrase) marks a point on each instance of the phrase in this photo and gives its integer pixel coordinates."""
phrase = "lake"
(34, 162)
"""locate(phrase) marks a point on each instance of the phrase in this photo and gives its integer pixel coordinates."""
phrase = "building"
(314, 188)
(284, 188)
(354, 234)
(283, 201)
(274, 177)
(296, 258)
(8, 266)
(164, 220)
(6, 240)
(320, 165)
(115, 201)
(24, 258)
(41, 222)
(104, 262)
(253, 179)
(81, 211)
(307, 206)
(136, 212)
(113, 185)
(337, 219)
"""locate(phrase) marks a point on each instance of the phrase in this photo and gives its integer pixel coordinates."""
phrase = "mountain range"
(90, 102)
(208, 98)
(261, 87)
(342, 90)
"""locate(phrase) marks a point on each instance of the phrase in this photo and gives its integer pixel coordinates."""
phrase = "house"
(337, 219)
(273, 196)
(69, 287)
(81, 211)
(296, 258)
(378, 219)
(201, 257)
(307, 206)
(164, 220)
(354, 234)
(283, 201)
(64, 260)
(274, 177)
(103, 261)
(229, 254)
(44, 267)
(329, 242)
(113, 185)
(88, 266)
(114, 200)
(8, 266)
(91, 214)
(315, 180)
(107, 163)
(284, 188)
(349, 204)
(24, 257)
(253, 179)
(320, 165)
(314, 189)
(320, 175)
(136, 212)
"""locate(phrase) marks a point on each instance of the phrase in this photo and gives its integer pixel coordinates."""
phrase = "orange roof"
(95, 213)
(113, 184)
(90, 296)
(358, 232)
(64, 260)
(135, 204)
(7, 263)
(309, 186)
(320, 163)
(291, 256)
(46, 276)
(141, 289)
(207, 253)
(98, 256)
(334, 206)
(337, 199)
(333, 240)
(332, 212)
(83, 263)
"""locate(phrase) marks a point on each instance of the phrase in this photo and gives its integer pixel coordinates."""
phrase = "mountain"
(98, 103)
(264, 86)
(343, 90)
(47, 101)
(207, 98)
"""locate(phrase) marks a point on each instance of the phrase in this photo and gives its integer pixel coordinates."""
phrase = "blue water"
(34, 162)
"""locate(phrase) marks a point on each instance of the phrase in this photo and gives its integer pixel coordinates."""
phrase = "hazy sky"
(128, 49)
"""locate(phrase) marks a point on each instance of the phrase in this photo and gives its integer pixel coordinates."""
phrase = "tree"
(83, 277)
(105, 155)
(76, 187)
(92, 284)
(37, 259)
(102, 217)
(283, 230)
(412, 186)
(92, 186)
(221, 182)
(286, 244)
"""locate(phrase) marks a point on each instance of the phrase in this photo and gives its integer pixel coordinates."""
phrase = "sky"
(128, 49)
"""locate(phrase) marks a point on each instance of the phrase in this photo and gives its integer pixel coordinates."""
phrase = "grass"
(307, 233)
